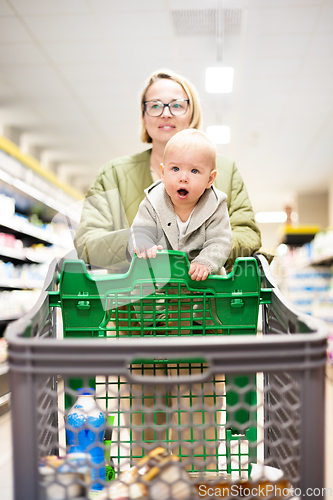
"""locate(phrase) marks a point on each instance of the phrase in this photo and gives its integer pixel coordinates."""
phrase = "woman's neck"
(156, 158)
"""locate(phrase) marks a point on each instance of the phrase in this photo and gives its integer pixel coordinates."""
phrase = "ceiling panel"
(76, 74)
(105, 89)
(318, 65)
(113, 110)
(325, 24)
(58, 108)
(134, 74)
(283, 3)
(5, 10)
(314, 84)
(87, 72)
(19, 114)
(12, 31)
(198, 4)
(143, 52)
(277, 67)
(288, 46)
(321, 44)
(36, 81)
(149, 25)
(197, 49)
(23, 54)
(64, 28)
(266, 86)
(7, 93)
(110, 7)
(261, 109)
(320, 154)
(41, 7)
(79, 52)
(281, 20)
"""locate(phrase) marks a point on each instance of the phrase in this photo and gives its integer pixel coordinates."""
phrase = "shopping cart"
(177, 365)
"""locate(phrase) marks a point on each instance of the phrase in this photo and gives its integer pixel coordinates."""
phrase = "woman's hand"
(150, 253)
(198, 272)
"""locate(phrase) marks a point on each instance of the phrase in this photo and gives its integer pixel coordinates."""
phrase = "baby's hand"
(198, 271)
(148, 253)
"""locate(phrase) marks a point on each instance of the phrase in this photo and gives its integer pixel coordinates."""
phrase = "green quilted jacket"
(113, 200)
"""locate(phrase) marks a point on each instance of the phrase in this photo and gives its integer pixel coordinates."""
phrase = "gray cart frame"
(291, 341)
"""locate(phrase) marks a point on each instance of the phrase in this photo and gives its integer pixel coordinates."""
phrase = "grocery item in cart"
(66, 477)
(85, 427)
(157, 476)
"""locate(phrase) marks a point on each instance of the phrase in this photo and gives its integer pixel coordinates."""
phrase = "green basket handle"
(167, 264)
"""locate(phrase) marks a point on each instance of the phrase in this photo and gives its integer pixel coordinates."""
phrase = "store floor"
(6, 469)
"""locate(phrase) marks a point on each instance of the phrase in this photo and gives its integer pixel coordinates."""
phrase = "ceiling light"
(267, 217)
(219, 80)
(219, 134)
(282, 249)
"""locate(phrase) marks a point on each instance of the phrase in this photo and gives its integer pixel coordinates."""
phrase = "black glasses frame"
(166, 106)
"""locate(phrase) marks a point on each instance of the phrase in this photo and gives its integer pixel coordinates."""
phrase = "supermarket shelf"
(298, 236)
(322, 261)
(17, 284)
(19, 255)
(28, 188)
(32, 164)
(17, 225)
(326, 259)
(4, 388)
(9, 317)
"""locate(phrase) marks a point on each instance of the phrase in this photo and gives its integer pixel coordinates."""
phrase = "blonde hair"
(191, 139)
(190, 91)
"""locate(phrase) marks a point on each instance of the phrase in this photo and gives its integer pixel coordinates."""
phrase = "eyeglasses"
(177, 107)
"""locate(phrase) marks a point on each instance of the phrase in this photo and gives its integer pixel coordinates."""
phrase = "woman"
(169, 104)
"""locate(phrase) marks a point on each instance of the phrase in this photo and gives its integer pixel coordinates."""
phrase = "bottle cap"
(86, 391)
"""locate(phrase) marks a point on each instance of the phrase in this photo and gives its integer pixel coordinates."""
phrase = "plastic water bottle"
(85, 427)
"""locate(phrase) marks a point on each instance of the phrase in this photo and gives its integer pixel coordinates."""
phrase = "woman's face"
(162, 128)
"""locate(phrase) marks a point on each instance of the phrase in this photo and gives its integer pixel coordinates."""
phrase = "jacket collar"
(205, 207)
(162, 204)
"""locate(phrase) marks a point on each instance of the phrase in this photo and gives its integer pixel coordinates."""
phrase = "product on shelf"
(16, 303)
(7, 204)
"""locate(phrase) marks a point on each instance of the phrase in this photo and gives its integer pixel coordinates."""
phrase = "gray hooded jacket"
(207, 239)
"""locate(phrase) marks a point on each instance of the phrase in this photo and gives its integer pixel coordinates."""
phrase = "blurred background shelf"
(4, 388)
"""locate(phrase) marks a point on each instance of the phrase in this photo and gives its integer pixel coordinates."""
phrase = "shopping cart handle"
(172, 368)
(167, 264)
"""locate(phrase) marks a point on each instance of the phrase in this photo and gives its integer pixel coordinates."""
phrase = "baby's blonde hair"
(193, 139)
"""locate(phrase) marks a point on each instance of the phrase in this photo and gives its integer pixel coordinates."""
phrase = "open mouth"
(182, 192)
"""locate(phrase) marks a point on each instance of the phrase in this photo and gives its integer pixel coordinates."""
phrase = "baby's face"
(186, 175)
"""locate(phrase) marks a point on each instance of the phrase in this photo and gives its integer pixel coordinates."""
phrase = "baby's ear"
(211, 178)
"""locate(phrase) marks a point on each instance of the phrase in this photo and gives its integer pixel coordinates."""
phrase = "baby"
(184, 211)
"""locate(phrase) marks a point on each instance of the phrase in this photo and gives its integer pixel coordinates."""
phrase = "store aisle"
(6, 478)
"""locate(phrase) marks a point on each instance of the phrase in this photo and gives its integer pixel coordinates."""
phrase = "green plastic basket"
(158, 297)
